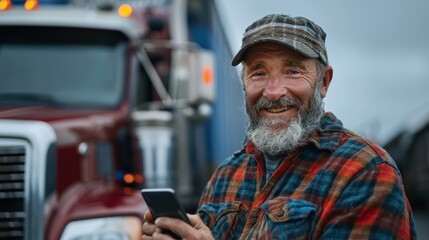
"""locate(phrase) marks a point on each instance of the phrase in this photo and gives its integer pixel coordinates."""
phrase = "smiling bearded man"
(276, 136)
(300, 174)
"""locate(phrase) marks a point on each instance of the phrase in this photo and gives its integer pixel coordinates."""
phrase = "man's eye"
(293, 72)
(258, 75)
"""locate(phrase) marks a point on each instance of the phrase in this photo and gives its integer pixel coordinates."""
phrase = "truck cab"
(95, 106)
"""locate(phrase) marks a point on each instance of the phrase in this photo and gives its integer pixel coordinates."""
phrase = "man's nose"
(274, 89)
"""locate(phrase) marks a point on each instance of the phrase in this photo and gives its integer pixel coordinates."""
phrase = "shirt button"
(280, 214)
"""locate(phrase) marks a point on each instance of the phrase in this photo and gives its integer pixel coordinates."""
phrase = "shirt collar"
(328, 135)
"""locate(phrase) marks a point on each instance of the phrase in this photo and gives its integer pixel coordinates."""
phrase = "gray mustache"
(264, 102)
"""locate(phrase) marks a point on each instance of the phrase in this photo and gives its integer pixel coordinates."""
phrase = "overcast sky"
(379, 50)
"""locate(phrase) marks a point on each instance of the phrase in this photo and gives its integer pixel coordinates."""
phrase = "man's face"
(283, 97)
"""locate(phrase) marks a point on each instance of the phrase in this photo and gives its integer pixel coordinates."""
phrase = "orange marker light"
(31, 5)
(125, 10)
(5, 5)
(129, 178)
(207, 75)
(139, 178)
(128, 191)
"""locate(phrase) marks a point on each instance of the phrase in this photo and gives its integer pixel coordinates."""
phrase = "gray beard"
(277, 136)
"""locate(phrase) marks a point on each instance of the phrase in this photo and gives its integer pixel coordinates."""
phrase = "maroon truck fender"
(84, 203)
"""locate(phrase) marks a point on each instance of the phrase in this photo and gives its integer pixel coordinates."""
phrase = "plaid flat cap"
(298, 33)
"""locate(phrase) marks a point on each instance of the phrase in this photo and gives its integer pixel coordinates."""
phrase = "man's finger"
(175, 225)
(196, 221)
(149, 228)
(148, 216)
(163, 236)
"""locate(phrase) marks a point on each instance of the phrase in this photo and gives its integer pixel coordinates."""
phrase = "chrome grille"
(12, 214)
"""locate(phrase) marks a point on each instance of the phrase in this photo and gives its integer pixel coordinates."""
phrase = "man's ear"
(326, 81)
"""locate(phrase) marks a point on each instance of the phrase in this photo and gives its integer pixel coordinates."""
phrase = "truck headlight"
(108, 228)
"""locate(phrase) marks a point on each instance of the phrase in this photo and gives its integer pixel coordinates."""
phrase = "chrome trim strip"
(36, 137)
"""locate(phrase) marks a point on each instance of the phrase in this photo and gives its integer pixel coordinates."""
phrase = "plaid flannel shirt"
(337, 186)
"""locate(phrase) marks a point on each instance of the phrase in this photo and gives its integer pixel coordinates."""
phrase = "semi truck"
(100, 99)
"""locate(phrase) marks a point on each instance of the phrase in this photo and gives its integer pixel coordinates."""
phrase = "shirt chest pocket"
(286, 218)
(222, 218)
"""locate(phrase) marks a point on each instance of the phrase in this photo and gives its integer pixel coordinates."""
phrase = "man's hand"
(153, 229)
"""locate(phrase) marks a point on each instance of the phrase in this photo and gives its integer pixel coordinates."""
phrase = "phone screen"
(162, 202)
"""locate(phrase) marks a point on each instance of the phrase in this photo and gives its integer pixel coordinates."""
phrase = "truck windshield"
(62, 66)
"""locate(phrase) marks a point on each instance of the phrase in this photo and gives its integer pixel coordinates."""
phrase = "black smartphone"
(163, 202)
